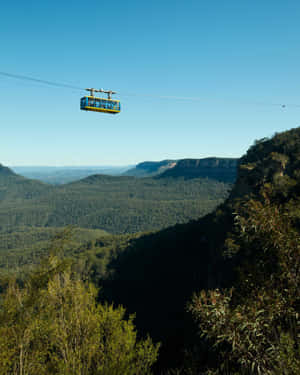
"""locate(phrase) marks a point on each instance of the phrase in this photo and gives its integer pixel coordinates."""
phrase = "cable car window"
(93, 103)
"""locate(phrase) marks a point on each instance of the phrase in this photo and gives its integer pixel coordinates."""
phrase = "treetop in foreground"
(53, 325)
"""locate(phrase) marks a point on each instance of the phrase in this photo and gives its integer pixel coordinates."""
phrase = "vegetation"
(241, 264)
(64, 175)
(25, 246)
(53, 325)
(129, 205)
(255, 325)
(114, 204)
(150, 168)
(220, 169)
(245, 259)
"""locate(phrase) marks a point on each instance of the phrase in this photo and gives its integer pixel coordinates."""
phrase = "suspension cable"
(17, 76)
(69, 86)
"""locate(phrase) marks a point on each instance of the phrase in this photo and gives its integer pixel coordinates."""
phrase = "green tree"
(53, 325)
(255, 326)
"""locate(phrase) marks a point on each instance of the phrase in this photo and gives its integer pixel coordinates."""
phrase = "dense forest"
(217, 295)
(32, 211)
(114, 204)
(220, 169)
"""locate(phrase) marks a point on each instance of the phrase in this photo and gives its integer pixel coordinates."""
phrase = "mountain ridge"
(6, 171)
(222, 169)
(201, 254)
(117, 204)
(150, 168)
(154, 275)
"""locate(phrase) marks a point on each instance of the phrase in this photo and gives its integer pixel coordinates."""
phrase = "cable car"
(106, 105)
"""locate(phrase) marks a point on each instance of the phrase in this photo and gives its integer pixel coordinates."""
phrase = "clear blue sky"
(239, 58)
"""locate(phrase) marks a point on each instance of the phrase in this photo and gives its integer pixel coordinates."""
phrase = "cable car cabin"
(91, 103)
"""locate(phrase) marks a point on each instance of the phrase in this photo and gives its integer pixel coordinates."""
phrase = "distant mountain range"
(150, 168)
(157, 274)
(221, 169)
(14, 187)
(248, 246)
(64, 175)
(117, 204)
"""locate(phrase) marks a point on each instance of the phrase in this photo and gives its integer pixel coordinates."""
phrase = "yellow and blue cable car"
(106, 105)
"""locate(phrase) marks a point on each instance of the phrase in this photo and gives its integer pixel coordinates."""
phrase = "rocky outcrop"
(151, 168)
(221, 169)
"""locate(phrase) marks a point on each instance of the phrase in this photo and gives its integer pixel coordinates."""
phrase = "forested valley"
(31, 212)
(215, 292)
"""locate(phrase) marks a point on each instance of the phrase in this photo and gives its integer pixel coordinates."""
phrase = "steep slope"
(150, 168)
(259, 329)
(13, 186)
(156, 274)
(5, 171)
(220, 169)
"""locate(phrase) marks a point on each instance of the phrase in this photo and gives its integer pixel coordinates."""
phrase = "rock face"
(272, 163)
(222, 169)
(150, 168)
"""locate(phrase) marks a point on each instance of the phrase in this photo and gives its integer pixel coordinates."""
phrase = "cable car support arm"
(108, 92)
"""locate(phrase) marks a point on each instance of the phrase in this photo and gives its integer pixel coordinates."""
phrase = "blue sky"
(238, 60)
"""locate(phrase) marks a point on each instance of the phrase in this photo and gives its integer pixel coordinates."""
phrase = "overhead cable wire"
(69, 86)
(17, 76)
(57, 84)
(162, 96)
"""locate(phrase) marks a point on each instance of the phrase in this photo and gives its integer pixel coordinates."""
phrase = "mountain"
(156, 274)
(15, 188)
(150, 168)
(243, 257)
(116, 204)
(5, 171)
(63, 175)
(221, 169)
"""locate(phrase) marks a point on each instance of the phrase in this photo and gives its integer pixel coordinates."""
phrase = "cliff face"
(150, 168)
(270, 163)
(221, 169)
(190, 257)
